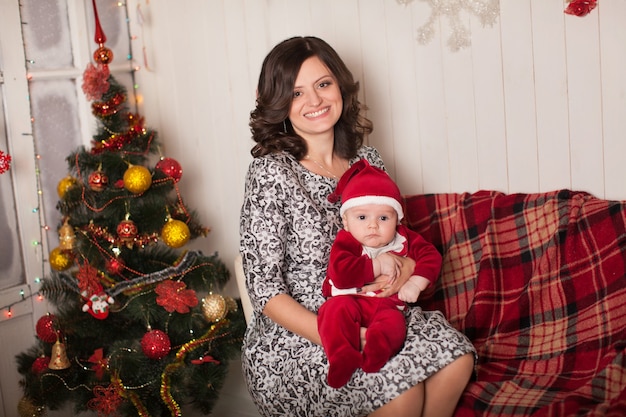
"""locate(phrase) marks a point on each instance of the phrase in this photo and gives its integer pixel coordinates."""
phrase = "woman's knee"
(455, 374)
(408, 404)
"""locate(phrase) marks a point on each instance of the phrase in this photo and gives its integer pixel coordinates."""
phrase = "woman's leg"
(435, 397)
(408, 404)
(443, 390)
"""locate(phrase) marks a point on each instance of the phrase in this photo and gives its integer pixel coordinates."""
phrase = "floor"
(234, 399)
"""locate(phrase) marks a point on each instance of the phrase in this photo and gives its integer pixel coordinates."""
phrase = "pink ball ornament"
(171, 168)
(155, 344)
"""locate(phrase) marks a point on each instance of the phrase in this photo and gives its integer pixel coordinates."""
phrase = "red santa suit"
(350, 268)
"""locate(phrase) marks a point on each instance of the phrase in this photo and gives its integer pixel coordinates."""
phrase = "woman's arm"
(290, 314)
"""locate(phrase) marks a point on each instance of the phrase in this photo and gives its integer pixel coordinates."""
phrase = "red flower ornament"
(173, 296)
(95, 81)
(580, 7)
(106, 400)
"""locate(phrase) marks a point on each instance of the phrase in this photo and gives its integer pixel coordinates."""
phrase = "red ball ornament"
(45, 328)
(98, 181)
(155, 344)
(114, 266)
(127, 230)
(40, 365)
(103, 55)
(171, 168)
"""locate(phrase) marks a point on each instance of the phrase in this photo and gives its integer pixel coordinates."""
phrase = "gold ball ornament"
(137, 179)
(175, 233)
(60, 259)
(65, 184)
(215, 307)
(26, 408)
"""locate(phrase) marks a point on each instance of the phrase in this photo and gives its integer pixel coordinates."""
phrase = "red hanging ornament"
(171, 168)
(40, 365)
(580, 8)
(46, 329)
(97, 303)
(5, 162)
(155, 344)
(98, 181)
(127, 231)
(103, 55)
(114, 266)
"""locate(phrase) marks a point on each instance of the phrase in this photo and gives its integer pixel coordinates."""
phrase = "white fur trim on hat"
(373, 199)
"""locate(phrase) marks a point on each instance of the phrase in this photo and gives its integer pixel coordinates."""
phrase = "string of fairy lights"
(39, 243)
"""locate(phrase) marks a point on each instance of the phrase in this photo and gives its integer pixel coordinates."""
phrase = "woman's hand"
(362, 335)
(382, 282)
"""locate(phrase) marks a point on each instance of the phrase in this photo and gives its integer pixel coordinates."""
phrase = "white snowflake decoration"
(486, 10)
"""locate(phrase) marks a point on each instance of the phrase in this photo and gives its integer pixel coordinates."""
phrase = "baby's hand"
(387, 265)
(411, 290)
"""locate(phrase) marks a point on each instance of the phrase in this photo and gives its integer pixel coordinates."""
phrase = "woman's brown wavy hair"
(269, 122)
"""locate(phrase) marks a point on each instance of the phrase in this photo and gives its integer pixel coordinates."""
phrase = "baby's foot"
(342, 367)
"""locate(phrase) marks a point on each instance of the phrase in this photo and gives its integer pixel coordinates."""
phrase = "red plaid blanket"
(538, 283)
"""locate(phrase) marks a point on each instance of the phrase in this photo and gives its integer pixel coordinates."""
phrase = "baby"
(371, 211)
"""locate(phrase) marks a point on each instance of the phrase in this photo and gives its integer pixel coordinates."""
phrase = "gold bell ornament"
(58, 357)
(67, 237)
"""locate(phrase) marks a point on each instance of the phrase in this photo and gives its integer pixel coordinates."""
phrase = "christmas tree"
(139, 326)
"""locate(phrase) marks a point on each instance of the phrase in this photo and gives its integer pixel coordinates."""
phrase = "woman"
(308, 128)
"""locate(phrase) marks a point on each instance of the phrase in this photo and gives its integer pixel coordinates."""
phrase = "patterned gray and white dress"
(287, 228)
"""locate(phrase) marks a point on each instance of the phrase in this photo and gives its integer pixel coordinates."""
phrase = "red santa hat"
(364, 184)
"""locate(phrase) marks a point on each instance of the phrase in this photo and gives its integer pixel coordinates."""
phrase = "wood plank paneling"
(537, 102)
(612, 74)
(585, 102)
(550, 69)
(519, 95)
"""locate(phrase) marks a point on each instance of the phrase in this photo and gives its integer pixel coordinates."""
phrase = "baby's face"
(373, 225)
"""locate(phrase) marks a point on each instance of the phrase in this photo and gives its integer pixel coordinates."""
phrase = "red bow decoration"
(205, 359)
(580, 7)
(173, 296)
(100, 363)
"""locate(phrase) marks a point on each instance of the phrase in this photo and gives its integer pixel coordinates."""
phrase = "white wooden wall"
(537, 102)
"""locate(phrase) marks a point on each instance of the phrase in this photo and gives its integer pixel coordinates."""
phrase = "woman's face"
(316, 104)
